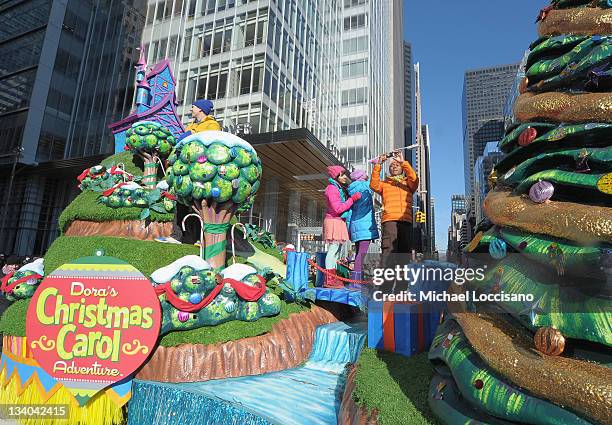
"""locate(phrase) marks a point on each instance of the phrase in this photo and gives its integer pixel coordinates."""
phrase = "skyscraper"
(268, 65)
(484, 96)
(432, 224)
(422, 167)
(66, 72)
(458, 231)
(409, 136)
(275, 65)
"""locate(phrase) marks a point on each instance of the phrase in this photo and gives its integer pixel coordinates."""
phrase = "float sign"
(92, 323)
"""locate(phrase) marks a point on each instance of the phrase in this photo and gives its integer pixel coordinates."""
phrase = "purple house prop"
(155, 101)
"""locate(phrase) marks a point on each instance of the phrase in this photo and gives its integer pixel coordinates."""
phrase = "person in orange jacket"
(396, 191)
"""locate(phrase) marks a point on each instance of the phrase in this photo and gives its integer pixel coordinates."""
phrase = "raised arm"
(412, 180)
(375, 180)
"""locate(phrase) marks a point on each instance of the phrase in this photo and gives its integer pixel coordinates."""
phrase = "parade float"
(116, 325)
(548, 234)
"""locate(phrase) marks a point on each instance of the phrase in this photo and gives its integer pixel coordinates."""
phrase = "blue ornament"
(195, 298)
(497, 249)
(215, 192)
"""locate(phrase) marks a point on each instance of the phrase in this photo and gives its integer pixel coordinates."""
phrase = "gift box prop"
(295, 285)
(320, 279)
(402, 328)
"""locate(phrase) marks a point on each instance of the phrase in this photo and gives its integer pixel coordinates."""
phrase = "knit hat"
(334, 171)
(358, 175)
(205, 105)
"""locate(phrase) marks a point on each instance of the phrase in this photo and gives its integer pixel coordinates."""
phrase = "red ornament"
(527, 136)
(478, 384)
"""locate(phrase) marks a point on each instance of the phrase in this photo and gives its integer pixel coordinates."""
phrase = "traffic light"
(420, 217)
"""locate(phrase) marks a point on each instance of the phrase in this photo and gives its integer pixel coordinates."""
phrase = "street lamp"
(16, 154)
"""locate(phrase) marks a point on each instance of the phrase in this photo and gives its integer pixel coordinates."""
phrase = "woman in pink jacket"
(335, 231)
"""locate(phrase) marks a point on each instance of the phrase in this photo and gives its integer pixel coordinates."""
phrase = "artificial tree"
(153, 143)
(216, 174)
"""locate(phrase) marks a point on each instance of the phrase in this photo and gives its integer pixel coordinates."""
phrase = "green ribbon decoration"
(215, 249)
(216, 228)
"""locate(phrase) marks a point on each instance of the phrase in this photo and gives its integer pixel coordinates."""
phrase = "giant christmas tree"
(548, 235)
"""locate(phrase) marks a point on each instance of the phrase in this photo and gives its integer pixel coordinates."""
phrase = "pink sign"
(92, 323)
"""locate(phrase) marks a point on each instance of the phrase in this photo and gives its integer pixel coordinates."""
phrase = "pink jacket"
(335, 206)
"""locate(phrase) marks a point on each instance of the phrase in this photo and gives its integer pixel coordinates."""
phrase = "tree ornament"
(549, 341)
(541, 192)
(498, 248)
(183, 316)
(582, 164)
(527, 136)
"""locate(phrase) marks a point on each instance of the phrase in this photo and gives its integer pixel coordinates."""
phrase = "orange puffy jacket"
(396, 195)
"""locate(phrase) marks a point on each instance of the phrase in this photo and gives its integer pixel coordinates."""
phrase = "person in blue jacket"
(362, 227)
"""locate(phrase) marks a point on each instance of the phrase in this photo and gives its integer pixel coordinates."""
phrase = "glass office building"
(484, 97)
(267, 65)
(66, 72)
(274, 65)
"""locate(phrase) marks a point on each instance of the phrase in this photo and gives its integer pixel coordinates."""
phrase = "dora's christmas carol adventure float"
(123, 328)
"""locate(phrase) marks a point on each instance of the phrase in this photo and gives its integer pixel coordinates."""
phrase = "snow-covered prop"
(125, 195)
(99, 178)
(193, 295)
(215, 173)
(153, 143)
(22, 283)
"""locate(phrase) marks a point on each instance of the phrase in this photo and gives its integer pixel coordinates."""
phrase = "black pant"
(397, 238)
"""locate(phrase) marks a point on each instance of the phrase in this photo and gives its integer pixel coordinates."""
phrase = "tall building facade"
(482, 169)
(274, 65)
(267, 65)
(367, 98)
(432, 224)
(484, 97)
(422, 168)
(66, 72)
(409, 136)
(458, 236)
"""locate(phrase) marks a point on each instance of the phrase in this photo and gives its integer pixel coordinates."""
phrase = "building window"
(353, 69)
(354, 125)
(355, 45)
(358, 96)
(353, 3)
(354, 22)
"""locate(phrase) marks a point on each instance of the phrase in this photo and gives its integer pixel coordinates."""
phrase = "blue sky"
(448, 38)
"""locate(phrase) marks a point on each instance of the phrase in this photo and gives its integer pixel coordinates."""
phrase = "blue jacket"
(362, 226)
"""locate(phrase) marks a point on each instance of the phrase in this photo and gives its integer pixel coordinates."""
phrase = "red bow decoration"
(244, 291)
(8, 288)
(109, 192)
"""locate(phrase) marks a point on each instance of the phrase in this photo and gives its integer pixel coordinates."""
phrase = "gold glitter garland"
(580, 385)
(585, 224)
(581, 21)
(564, 107)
